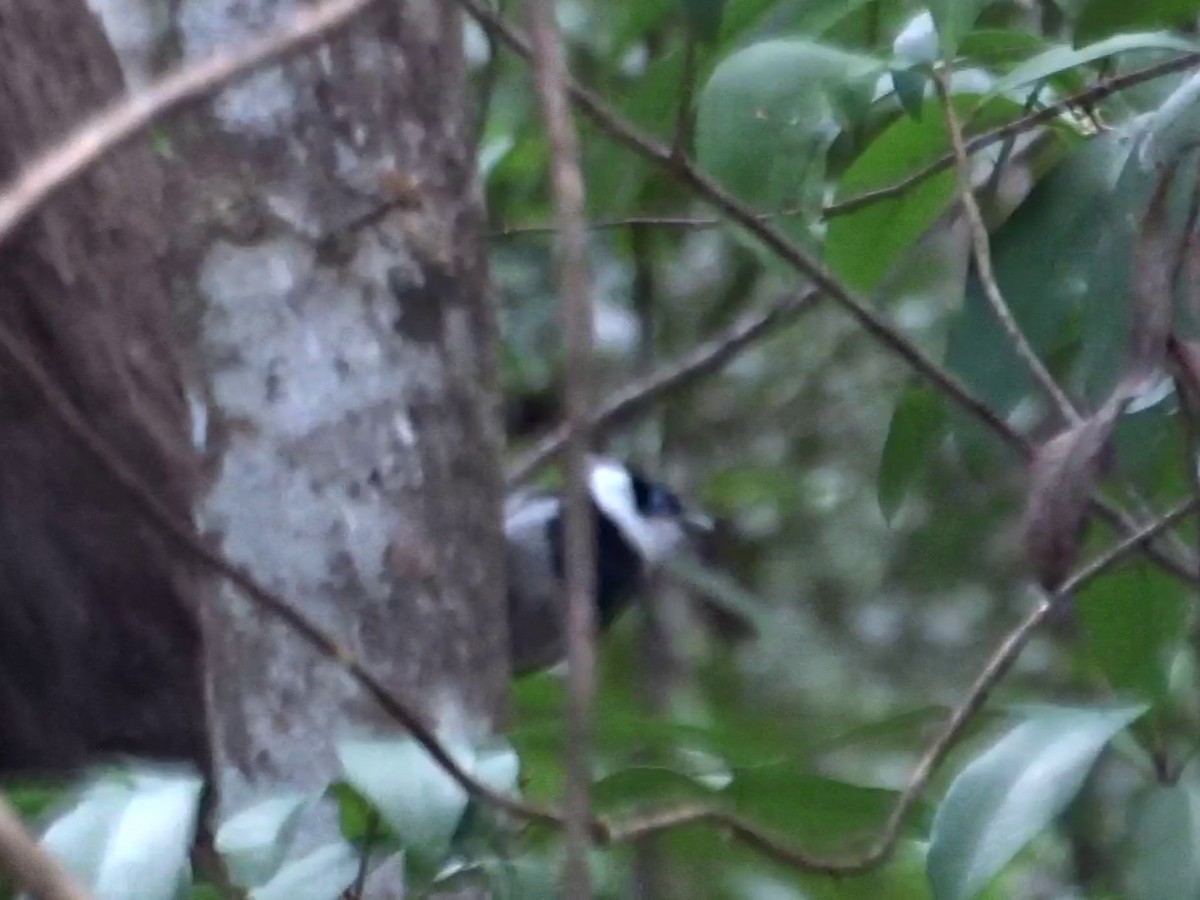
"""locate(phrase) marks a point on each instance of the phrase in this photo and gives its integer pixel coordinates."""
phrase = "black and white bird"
(639, 524)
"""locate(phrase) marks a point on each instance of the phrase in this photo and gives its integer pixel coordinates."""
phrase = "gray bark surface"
(331, 282)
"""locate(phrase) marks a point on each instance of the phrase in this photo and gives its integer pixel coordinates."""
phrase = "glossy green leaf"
(1174, 128)
(901, 878)
(954, 18)
(414, 795)
(254, 842)
(129, 835)
(994, 46)
(770, 17)
(1106, 314)
(647, 787)
(1001, 49)
(321, 875)
(815, 811)
(704, 17)
(767, 117)
(1063, 58)
(1043, 256)
(1134, 620)
(358, 820)
(915, 430)
(910, 85)
(1165, 854)
(862, 246)
(1012, 791)
(1100, 18)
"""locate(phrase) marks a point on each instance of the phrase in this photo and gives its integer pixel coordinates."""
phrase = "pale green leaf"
(1063, 58)
(254, 842)
(321, 875)
(1012, 791)
(129, 835)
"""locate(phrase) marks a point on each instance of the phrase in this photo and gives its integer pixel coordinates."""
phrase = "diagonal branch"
(684, 171)
(1084, 98)
(108, 129)
(30, 865)
(997, 666)
(185, 538)
(703, 359)
(1001, 133)
(983, 261)
(600, 830)
(60, 165)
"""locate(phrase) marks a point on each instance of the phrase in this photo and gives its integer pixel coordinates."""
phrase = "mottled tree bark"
(332, 284)
(99, 648)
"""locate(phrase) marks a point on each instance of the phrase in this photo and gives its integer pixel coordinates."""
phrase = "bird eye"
(662, 502)
(651, 498)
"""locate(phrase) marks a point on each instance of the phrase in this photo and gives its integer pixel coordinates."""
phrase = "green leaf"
(704, 17)
(767, 117)
(1063, 58)
(415, 796)
(812, 810)
(1134, 620)
(1001, 49)
(811, 18)
(954, 18)
(1165, 857)
(254, 842)
(1043, 257)
(34, 798)
(647, 787)
(130, 834)
(358, 819)
(902, 878)
(321, 875)
(1104, 17)
(916, 44)
(994, 46)
(909, 85)
(1174, 128)
(1012, 791)
(861, 247)
(916, 427)
(1106, 320)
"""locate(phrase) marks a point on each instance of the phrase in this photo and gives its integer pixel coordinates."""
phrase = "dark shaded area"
(100, 650)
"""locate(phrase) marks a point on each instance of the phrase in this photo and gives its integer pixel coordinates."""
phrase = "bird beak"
(698, 525)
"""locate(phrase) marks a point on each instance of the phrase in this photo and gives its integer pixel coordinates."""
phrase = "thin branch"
(28, 862)
(48, 174)
(1088, 96)
(625, 403)
(684, 171)
(134, 113)
(876, 324)
(687, 89)
(983, 260)
(550, 72)
(998, 665)
(599, 829)
(1002, 133)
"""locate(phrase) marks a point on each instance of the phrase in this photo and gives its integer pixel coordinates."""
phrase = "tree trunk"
(99, 647)
(332, 284)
